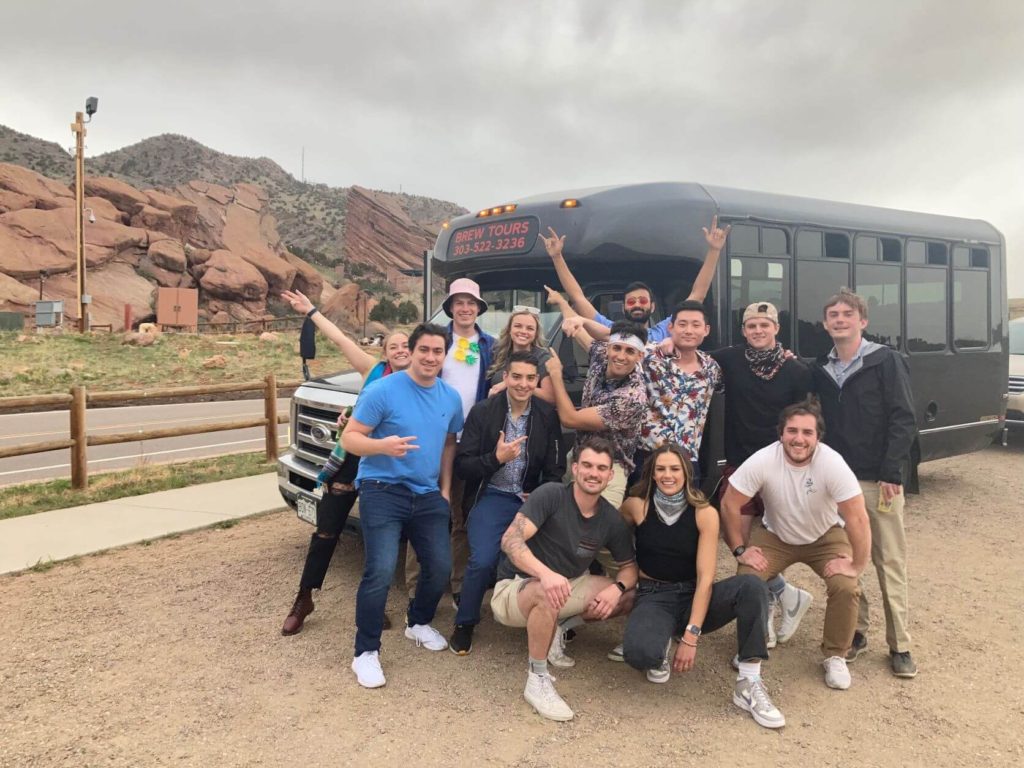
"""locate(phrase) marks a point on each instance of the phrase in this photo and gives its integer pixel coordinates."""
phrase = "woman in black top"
(676, 550)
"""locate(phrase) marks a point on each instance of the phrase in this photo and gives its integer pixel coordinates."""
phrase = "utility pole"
(78, 128)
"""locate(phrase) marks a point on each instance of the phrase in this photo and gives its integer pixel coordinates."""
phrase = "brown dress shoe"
(301, 608)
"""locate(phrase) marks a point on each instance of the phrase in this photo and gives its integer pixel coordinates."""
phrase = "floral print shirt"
(678, 401)
(621, 403)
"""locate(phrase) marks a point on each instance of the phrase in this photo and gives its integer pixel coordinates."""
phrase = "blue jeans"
(488, 520)
(663, 609)
(387, 512)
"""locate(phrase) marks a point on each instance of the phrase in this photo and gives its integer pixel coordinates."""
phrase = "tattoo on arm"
(513, 541)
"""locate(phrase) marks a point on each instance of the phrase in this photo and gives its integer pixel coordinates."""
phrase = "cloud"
(912, 105)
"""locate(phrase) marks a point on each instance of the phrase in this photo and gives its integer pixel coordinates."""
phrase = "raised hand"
(298, 300)
(506, 451)
(715, 237)
(554, 244)
(398, 447)
(573, 325)
(555, 299)
(553, 366)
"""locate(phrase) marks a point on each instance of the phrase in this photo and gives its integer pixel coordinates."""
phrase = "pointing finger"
(714, 221)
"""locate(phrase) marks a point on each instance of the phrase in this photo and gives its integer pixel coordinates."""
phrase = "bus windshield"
(500, 305)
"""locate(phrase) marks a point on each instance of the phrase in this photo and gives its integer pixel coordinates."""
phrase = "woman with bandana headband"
(676, 533)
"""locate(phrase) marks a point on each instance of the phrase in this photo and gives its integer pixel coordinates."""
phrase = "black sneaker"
(902, 664)
(860, 643)
(461, 641)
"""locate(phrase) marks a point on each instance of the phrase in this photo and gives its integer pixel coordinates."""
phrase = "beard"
(638, 315)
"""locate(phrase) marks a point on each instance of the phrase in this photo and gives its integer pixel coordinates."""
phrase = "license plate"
(305, 508)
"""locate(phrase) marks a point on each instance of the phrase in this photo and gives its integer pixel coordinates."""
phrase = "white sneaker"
(367, 668)
(794, 604)
(540, 694)
(837, 674)
(427, 637)
(616, 653)
(750, 695)
(661, 673)
(773, 609)
(556, 654)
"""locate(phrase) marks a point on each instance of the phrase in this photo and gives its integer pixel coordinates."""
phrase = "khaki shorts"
(616, 490)
(505, 601)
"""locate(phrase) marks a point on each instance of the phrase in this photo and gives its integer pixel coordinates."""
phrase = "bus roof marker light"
(445, 224)
(484, 212)
(571, 202)
(510, 207)
(496, 210)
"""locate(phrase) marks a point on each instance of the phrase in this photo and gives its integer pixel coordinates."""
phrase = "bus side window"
(758, 279)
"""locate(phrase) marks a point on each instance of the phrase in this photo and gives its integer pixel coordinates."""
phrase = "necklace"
(466, 351)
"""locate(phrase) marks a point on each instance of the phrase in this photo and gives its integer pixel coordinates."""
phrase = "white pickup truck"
(311, 436)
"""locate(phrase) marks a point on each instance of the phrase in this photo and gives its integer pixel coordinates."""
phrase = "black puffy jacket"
(870, 420)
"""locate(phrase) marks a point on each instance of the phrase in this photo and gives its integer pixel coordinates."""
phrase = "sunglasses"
(642, 301)
(523, 308)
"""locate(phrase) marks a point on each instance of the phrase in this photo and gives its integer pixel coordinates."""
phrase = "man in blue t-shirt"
(404, 427)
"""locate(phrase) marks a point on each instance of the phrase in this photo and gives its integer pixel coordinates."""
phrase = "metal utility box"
(177, 307)
(12, 321)
(49, 313)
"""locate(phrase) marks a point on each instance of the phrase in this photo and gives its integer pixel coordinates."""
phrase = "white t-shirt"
(799, 502)
(461, 374)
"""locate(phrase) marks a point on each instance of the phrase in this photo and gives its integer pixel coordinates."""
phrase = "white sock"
(750, 669)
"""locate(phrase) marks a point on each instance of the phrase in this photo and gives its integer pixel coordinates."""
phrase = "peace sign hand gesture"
(715, 237)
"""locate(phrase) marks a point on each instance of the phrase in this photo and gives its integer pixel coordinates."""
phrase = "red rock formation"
(225, 240)
(379, 232)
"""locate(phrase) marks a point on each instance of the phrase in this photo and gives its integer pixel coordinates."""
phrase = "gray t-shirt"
(566, 541)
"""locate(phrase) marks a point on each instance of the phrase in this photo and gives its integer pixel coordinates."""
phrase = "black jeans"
(331, 515)
(663, 609)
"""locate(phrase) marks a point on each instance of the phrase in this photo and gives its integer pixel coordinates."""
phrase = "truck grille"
(1016, 385)
(310, 419)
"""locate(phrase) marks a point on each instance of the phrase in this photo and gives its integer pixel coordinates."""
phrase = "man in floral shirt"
(680, 385)
(614, 402)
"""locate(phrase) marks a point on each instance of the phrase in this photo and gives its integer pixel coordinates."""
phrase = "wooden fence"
(78, 400)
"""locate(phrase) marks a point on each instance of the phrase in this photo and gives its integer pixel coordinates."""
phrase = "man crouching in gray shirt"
(544, 585)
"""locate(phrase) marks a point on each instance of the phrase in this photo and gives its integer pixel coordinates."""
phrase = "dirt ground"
(170, 654)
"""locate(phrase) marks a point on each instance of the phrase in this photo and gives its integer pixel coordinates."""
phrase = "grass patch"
(27, 499)
(45, 364)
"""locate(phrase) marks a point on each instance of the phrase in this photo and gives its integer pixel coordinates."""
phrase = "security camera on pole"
(78, 128)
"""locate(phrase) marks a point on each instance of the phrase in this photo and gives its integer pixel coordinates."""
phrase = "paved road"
(20, 429)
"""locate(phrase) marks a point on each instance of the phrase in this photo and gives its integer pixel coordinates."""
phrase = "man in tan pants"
(813, 514)
(869, 413)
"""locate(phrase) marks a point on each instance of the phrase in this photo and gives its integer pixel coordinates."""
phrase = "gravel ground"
(170, 654)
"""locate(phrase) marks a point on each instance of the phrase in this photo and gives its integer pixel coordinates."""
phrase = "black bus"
(935, 285)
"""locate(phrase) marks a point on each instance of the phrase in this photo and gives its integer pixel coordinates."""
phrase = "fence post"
(79, 460)
(270, 412)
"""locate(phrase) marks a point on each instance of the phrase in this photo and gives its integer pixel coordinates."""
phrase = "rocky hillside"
(221, 240)
(309, 216)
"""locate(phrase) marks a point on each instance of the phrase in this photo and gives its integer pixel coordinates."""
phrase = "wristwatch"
(621, 586)
(739, 551)
(693, 629)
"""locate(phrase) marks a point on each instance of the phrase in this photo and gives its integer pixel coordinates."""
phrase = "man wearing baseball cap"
(759, 383)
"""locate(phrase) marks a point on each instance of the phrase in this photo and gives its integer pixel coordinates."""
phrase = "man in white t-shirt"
(813, 514)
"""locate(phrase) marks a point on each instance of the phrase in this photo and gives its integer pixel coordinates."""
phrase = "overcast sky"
(916, 105)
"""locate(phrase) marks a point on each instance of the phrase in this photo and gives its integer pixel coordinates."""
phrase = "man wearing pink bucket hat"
(470, 354)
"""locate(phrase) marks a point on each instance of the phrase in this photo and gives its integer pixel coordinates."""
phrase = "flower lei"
(467, 352)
